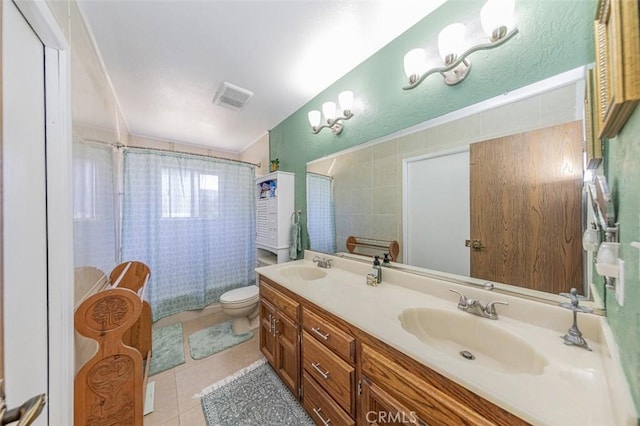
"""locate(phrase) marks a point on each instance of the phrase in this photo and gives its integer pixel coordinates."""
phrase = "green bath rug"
(215, 339)
(167, 348)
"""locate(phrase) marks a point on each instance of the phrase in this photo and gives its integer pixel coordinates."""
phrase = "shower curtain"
(320, 215)
(192, 220)
(94, 217)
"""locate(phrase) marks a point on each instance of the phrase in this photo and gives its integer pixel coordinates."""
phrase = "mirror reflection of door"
(526, 208)
(437, 212)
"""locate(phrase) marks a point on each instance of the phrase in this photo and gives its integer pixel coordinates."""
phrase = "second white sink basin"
(305, 273)
(474, 339)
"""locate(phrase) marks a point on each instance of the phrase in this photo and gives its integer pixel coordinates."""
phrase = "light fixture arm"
(461, 59)
(335, 125)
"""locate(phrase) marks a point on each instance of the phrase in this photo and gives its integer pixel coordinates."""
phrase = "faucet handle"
(490, 309)
(463, 299)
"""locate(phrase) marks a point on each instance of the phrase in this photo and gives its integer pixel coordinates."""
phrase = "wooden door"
(526, 209)
(380, 408)
(288, 352)
(267, 337)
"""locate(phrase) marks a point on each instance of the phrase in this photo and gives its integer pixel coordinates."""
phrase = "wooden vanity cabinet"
(393, 383)
(380, 408)
(348, 377)
(280, 334)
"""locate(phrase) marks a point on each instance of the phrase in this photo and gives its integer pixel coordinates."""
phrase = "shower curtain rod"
(189, 153)
(118, 145)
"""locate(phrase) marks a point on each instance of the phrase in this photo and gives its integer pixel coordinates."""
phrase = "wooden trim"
(1, 207)
(593, 141)
(617, 43)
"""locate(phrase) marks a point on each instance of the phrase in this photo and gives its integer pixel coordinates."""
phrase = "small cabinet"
(275, 193)
(279, 334)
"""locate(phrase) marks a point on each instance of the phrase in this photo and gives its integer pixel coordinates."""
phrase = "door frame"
(59, 207)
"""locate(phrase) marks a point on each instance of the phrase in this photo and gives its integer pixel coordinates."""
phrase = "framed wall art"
(617, 39)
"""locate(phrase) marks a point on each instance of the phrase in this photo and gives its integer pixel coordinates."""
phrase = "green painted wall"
(555, 36)
(623, 175)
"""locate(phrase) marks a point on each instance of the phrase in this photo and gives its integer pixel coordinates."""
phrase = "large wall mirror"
(507, 173)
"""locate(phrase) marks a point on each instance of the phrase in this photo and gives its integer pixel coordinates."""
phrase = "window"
(189, 194)
(84, 189)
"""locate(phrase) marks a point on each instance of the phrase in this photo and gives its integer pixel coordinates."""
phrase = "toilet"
(241, 304)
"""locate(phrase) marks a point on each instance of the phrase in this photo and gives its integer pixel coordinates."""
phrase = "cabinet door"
(267, 336)
(287, 352)
(380, 408)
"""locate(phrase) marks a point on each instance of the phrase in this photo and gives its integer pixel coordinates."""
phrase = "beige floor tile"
(165, 401)
(209, 370)
(174, 404)
(193, 417)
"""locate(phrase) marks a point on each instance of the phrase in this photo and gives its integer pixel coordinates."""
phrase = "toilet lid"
(240, 294)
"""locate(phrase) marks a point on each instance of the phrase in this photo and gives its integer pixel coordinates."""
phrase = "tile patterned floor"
(174, 404)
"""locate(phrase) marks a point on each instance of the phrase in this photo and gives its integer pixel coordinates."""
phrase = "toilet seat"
(240, 295)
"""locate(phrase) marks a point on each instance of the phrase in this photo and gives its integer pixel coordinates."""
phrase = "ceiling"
(166, 59)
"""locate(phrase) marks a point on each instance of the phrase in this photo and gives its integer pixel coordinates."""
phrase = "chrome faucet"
(473, 306)
(322, 263)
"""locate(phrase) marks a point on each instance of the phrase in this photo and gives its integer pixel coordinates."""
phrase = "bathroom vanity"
(356, 354)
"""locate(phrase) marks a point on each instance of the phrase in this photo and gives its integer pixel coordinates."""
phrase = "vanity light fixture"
(329, 111)
(497, 19)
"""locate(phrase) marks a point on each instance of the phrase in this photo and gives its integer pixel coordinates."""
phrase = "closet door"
(24, 211)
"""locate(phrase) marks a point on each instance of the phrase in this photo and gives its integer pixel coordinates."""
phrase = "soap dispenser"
(377, 268)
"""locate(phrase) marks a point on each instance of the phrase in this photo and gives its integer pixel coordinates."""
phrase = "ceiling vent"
(231, 96)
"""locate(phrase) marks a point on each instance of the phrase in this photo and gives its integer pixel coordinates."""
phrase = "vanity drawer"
(282, 303)
(332, 373)
(329, 335)
(322, 409)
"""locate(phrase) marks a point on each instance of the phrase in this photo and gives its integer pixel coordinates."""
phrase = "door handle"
(474, 244)
(24, 414)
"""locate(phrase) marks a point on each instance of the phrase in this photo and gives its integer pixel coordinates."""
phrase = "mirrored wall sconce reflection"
(498, 22)
(607, 251)
(333, 122)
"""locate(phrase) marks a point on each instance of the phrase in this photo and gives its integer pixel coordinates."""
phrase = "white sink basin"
(492, 347)
(305, 273)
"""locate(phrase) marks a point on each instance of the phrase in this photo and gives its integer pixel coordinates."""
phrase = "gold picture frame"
(593, 142)
(617, 37)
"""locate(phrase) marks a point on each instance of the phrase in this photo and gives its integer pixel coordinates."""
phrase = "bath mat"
(215, 339)
(168, 348)
(252, 396)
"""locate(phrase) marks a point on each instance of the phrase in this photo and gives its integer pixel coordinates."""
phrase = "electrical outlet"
(620, 283)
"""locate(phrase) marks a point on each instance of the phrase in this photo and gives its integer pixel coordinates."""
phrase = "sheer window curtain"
(320, 213)
(94, 219)
(192, 220)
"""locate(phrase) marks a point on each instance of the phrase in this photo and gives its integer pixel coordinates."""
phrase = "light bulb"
(608, 253)
(415, 63)
(590, 240)
(329, 111)
(346, 101)
(451, 42)
(314, 118)
(497, 18)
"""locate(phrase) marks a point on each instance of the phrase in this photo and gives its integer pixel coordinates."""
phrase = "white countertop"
(575, 387)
